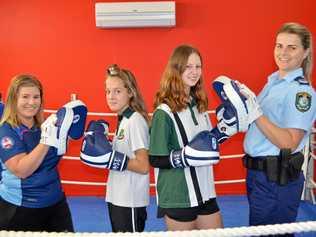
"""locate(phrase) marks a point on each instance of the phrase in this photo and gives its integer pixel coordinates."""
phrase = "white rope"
(309, 226)
(222, 157)
(52, 111)
(232, 156)
(231, 181)
(151, 185)
(108, 114)
(83, 183)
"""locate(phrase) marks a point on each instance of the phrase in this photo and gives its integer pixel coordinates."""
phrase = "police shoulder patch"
(303, 101)
(7, 142)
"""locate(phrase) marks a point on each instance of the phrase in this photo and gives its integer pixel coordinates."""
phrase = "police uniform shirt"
(40, 189)
(288, 103)
(180, 188)
(128, 188)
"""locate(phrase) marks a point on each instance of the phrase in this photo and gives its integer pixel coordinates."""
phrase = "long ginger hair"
(172, 89)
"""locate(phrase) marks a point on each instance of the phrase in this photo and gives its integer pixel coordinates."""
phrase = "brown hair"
(306, 38)
(136, 102)
(172, 90)
(10, 110)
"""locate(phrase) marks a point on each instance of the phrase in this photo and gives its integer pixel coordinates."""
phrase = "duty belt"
(259, 162)
(281, 169)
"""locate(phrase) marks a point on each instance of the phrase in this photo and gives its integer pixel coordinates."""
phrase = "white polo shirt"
(128, 188)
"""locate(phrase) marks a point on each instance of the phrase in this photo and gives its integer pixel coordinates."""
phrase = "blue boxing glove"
(63, 123)
(227, 125)
(96, 150)
(201, 151)
(79, 118)
(229, 92)
(99, 126)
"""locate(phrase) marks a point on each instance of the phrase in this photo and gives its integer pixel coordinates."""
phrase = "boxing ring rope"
(52, 111)
(298, 227)
(221, 157)
(151, 185)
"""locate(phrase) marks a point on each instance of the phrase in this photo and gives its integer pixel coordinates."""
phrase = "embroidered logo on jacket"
(7, 143)
(303, 101)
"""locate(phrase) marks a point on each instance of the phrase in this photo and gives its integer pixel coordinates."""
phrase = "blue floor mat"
(90, 214)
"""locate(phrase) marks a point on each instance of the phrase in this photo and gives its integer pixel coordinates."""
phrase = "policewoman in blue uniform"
(281, 120)
(31, 196)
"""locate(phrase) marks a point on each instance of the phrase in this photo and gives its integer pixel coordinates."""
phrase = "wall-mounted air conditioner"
(135, 14)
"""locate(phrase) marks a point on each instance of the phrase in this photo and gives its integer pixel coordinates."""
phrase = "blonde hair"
(306, 39)
(136, 101)
(10, 110)
(172, 89)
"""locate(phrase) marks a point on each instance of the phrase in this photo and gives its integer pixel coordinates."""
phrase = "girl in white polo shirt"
(127, 191)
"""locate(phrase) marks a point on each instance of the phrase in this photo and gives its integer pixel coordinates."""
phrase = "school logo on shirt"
(120, 135)
(7, 143)
(303, 101)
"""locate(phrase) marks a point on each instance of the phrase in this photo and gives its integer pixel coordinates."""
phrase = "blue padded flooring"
(90, 214)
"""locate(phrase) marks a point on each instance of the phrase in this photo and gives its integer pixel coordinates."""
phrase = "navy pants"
(270, 203)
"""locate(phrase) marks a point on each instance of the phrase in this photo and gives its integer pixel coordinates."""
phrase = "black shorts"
(127, 219)
(190, 213)
(55, 218)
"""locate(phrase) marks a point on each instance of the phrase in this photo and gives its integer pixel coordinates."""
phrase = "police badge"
(303, 101)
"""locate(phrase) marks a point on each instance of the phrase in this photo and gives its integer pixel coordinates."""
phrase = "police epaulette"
(301, 81)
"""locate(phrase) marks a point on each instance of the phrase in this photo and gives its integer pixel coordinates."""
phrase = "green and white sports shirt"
(179, 188)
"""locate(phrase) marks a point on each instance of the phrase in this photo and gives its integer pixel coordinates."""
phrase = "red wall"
(58, 42)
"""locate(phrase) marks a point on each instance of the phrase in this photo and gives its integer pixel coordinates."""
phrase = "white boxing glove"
(254, 109)
(203, 150)
(49, 131)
